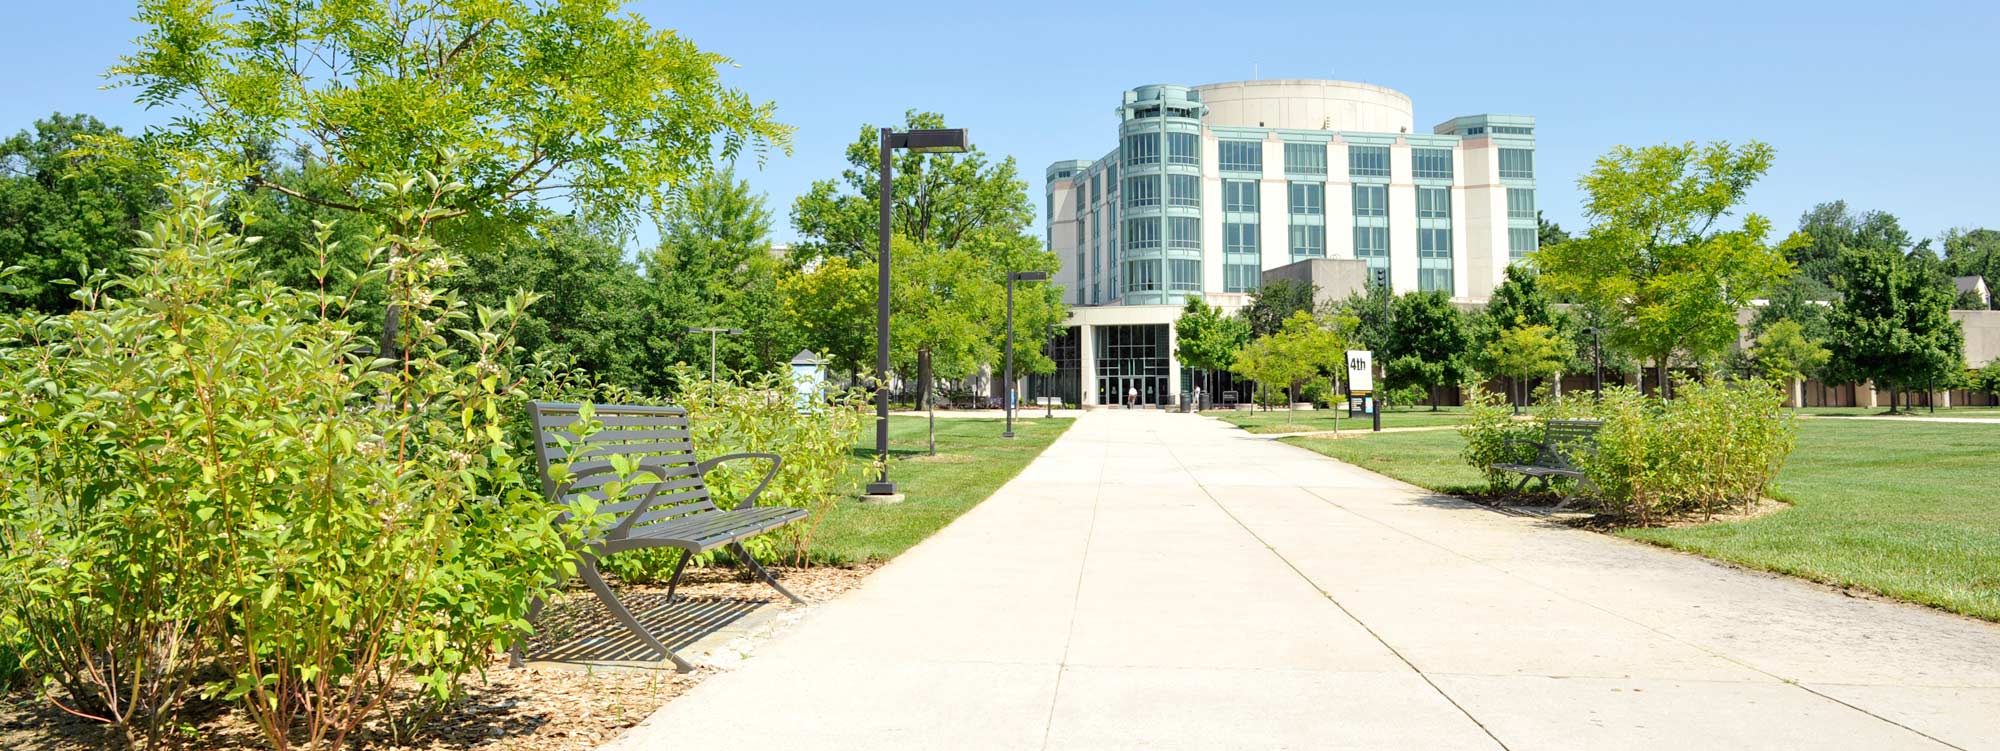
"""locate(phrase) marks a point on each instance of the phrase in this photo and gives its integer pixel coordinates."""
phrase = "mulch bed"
(538, 708)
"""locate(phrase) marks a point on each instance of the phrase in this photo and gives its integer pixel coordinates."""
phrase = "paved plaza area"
(1164, 581)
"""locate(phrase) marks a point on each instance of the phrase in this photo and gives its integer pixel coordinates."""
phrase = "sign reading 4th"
(1360, 371)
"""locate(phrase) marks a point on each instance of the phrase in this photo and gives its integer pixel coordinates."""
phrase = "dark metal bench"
(1562, 441)
(665, 502)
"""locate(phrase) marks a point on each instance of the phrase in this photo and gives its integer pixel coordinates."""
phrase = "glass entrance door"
(1129, 359)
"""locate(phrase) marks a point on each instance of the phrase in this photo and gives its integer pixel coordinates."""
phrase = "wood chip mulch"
(537, 708)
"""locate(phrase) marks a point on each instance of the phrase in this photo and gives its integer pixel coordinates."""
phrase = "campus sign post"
(1361, 386)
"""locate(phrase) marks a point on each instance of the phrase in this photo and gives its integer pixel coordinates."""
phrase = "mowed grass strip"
(1906, 509)
(1276, 421)
(972, 462)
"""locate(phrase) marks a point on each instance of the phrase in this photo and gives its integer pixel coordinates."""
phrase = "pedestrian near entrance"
(1131, 397)
(1197, 399)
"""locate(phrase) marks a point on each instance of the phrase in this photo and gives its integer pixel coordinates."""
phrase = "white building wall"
(1339, 202)
(1062, 239)
(1402, 219)
(1307, 104)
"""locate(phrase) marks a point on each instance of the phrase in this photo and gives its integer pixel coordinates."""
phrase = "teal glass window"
(1521, 241)
(1240, 156)
(1184, 148)
(1308, 241)
(1368, 161)
(1513, 130)
(1241, 277)
(1184, 275)
(1372, 243)
(1371, 200)
(1142, 234)
(1142, 276)
(1183, 190)
(1305, 159)
(1143, 190)
(1518, 164)
(1431, 163)
(1308, 198)
(1142, 148)
(1239, 237)
(1433, 203)
(1239, 195)
(1184, 232)
(1520, 203)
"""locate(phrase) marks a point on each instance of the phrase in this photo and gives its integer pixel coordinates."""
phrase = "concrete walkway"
(1160, 580)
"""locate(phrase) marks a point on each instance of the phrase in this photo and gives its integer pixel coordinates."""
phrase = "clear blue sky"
(1890, 106)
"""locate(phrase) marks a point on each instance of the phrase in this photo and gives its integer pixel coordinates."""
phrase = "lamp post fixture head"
(932, 141)
(1028, 276)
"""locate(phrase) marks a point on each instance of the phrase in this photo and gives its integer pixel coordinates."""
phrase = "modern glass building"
(1209, 187)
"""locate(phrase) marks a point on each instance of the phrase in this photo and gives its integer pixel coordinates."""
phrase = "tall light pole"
(939, 141)
(712, 332)
(1007, 398)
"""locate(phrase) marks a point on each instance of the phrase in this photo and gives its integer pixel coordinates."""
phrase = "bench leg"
(588, 572)
(679, 568)
(1522, 485)
(736, 548)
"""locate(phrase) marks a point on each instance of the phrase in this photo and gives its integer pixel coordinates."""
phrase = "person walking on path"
(1197, 399)
(1131, 397)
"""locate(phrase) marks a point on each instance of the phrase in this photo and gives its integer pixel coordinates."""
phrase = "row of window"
(1183, 275)
(1310, 159)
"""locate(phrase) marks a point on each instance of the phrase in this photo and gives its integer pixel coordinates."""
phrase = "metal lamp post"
(712, 332)
(1008, 394)
(938, 141)
(1597, 360)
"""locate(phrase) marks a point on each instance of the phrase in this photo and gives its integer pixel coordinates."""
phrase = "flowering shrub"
(208, 474)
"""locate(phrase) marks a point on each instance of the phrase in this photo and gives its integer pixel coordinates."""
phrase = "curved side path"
(1158, 580)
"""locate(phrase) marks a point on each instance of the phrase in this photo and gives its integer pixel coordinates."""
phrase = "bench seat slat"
(715, 528)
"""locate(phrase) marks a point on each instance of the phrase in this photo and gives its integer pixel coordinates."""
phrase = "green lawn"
(972, 462)
(1275, 421)
(1982, 412)
(1908, 510)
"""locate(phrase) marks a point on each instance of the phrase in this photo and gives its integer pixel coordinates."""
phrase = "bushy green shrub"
(203, 470)
(762, 415)
(1493, 436)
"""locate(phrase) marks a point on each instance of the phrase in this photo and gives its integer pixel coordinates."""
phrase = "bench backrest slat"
(656, 439)
(1563, 439)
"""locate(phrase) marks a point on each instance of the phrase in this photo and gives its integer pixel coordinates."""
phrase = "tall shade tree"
(940, 200)
(589, 296)
(518, 101)
(1974, 252)
(1518, 303)
(1656, 254)
(1273, 304)
(66, 212)
(1427, 344)
(1548, 233)
(1831, 228)
(1207, 340)
(1892, 326)
(833, 306)
(714, 267)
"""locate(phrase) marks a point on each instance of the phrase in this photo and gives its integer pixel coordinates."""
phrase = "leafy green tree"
(1518, 301)
(833, 306)
(1548, 233)
(1427, 344)
(714, 268)
(1828, 229)
(66, 212)
(1207, 340)
(591, 299)
(1655, 255)
(1273, 304)
(940, 200)
(1372, 309)
(1301, 349)
(1892, 325)
(1785, 354)
(513, 102)
(1973, 252)
(1791, 300)
(1527, 351)
(1987, 379)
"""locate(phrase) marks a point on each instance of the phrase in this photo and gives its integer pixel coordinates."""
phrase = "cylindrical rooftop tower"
(1306, 104)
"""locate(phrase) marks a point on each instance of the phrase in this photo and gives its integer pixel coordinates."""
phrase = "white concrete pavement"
(1159, 580)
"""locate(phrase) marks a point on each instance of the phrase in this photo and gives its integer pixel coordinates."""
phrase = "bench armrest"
(750, 500)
